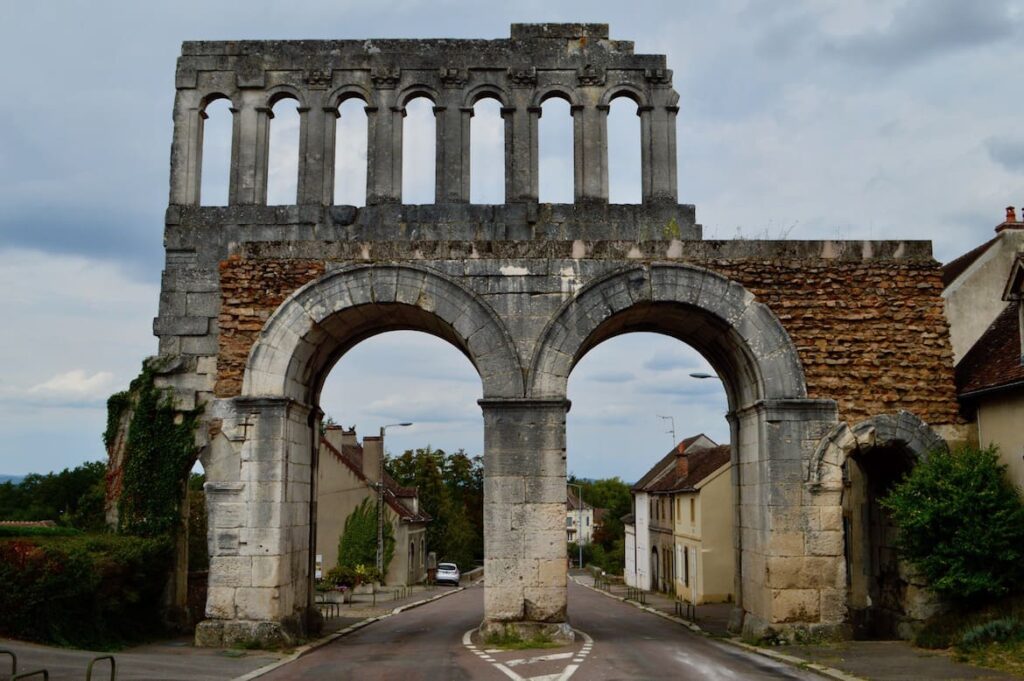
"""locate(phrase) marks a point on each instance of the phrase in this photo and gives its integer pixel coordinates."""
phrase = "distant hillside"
(16, 479)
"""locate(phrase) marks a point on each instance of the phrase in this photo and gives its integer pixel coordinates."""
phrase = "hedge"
(90, 591)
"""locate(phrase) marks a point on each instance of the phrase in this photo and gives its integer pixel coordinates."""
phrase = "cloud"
(922, 29)
(673, 359)
(76, 383)
(1007, 152)
(610, 377)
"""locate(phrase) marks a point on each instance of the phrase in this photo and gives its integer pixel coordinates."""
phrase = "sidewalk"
(374, 605)
(171, 660)
(713, 618)
(845, 660)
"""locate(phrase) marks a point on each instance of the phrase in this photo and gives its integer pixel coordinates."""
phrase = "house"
(579, 519)
(984, 289)
(347, 474)
(653, 527)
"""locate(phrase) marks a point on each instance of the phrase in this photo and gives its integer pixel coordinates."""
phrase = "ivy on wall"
(159, 452)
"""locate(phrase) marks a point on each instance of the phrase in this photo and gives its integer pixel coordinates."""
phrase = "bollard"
(113, 667)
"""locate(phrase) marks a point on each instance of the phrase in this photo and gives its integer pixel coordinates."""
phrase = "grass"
(991, 636)
(1006, 656)
(511, 640)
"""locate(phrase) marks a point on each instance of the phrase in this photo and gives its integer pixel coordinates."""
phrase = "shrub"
(961, 524)
(88, 591)
(993, 631)
(37, 531)
(357, 545)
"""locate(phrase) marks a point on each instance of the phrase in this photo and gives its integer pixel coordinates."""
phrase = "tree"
(961, 523)
(73, 497)
(357, 545)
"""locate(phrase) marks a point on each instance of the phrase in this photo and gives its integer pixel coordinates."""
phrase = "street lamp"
(701, 374)
(579, 528)
(380, 498)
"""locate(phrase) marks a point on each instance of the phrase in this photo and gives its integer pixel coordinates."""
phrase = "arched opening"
(283, 153)
(197, 544)
(556, 152)
(624, 173)
(643, 424)
(350, 156)
(372, 389)
(216, 153)
(487, 153)
(419, 151)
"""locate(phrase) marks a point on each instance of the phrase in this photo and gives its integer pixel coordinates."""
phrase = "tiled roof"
(667, 462)
(703, 462)
(572, 502)
(994, 361)
(352, 456)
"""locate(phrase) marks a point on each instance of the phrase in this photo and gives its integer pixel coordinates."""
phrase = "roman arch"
(258, 302)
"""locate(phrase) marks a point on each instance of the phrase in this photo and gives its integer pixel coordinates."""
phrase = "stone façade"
(258, 302)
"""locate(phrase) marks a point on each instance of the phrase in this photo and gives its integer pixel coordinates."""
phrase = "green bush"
(357, 546)
(993, 631)
(37, 531)
(96, 591)
(961, 524)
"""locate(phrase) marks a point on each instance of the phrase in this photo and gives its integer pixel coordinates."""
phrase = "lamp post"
(579, 528)
(701, 374)
(380, 498)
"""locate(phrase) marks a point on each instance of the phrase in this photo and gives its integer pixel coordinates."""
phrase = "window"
(693, 510)
(686, 568)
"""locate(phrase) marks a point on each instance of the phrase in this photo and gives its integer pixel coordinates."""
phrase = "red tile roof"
(954, 268)
(994, 362)
(663, 466)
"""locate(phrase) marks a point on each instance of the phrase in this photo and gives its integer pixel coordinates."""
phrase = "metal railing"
(685, 609)
(636, 594)
(45, 674)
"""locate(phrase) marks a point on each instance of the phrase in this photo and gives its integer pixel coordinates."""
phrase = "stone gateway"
(828, 350)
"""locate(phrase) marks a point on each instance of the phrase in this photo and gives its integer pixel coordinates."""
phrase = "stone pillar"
(658, 136)
(317, 127)
(250, 142)
(524, 516)
(259, 524)
(793, 571)
(590, 152)
(384, 150)
(521, 148)
(451, 167)
(187, 151)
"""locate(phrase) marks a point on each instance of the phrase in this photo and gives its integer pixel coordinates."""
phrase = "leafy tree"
(73, 497)
(357, 545)
(961, 524)
(450, 489)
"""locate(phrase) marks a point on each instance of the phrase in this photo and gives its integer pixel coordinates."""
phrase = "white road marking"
(564, 675)
(542, 658)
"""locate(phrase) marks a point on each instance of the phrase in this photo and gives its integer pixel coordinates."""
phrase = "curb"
(765, 652)
(309, 647)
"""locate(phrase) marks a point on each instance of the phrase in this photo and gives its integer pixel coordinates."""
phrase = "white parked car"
(447, 573)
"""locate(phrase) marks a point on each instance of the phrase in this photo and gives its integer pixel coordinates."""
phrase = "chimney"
(1011, 221)
(373, 452)
(338, 437)
(682, 463)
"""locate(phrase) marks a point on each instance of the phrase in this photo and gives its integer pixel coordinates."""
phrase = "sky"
(801, 120)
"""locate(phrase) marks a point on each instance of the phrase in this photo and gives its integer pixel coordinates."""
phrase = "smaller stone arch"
(302, 339)
(275, 94)
(841, 442)
(627, 90)
(411, 92)
(558, 90)
(486, 91)
(342, 94)
(214, 96)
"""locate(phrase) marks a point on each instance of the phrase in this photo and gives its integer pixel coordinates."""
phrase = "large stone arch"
(741, 337)
(262, 455)
(782, 577)
(325, 318)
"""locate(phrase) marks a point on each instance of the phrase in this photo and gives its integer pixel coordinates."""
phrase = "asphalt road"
(621, 642)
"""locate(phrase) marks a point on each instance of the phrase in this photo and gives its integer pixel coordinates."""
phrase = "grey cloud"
(923, 29)
(1007, 152)
(611, 377)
